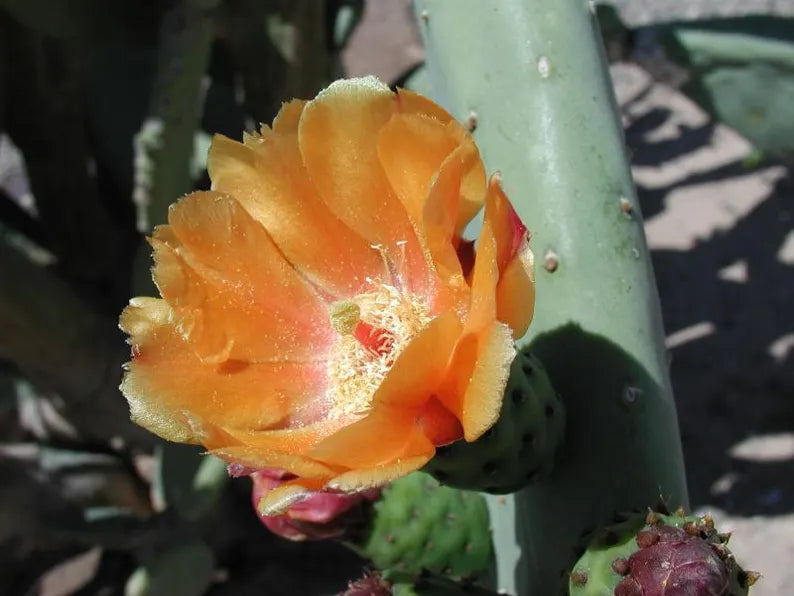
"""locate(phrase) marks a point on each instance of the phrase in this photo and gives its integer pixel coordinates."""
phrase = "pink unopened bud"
(319, 516)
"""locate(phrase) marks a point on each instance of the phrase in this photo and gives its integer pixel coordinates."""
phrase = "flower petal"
(485, 277)
(288, 117)
(268, 178)
(421, 366)
(338, 134)
(474, 388)
(257, 457)
(170, 390)
(482, 401)
(412, 148)
(386, 435)
(515, 293)
(298, 439)
(355, 480)
(234, 294)
(442, 210)
(438, 424)
(410, 102)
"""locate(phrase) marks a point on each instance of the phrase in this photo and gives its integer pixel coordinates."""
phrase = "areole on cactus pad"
(321, 312)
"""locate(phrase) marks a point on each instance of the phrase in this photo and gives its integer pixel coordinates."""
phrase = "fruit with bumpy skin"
(520, 448)
(372, 584)
(659, 555)
(375, 583)
(419, 525)
(436, 585)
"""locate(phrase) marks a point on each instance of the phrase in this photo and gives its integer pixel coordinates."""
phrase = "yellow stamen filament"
(354, 371)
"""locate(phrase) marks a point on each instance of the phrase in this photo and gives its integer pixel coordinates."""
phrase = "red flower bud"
(319, 516)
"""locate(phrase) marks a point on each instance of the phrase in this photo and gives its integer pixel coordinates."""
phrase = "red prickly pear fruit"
(678, 563)
(372, 584)
(317, 516)
(659, 555)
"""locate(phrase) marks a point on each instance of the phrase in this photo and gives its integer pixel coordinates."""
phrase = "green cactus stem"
(534, 73)
(742, 72)
(521, 448)
(419, 525)
(164, 145)
(658, 554)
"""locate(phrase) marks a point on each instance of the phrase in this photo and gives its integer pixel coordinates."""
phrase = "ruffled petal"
(298, 439)
(411, 148)
(440, 213)
(234, 294)
(177, 396)
(288, 117)
(511, 234)
(485, 277)
(515, 292)
(387, 434)
(410, 102)
(257, 457)
(422, 365)
(472, 191)
(438, 423)
(474, 387)
(356, 480)
(484, 394)
(337, 135)
(266, 175)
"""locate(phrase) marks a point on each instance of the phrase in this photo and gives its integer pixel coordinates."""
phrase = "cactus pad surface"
(420, 525)
(520, 448)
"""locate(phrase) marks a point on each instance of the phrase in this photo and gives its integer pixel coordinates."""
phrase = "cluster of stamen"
(373, 329)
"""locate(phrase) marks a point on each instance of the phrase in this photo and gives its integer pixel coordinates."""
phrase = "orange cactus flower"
(321, 312)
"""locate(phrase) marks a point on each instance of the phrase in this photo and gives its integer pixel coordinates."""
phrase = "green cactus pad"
(691, 555)
(419, 525)
(520, 448)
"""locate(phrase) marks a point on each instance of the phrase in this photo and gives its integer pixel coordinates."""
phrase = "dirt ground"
(722, 239)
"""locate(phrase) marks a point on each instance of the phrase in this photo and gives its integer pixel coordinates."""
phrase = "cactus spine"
(533, 73)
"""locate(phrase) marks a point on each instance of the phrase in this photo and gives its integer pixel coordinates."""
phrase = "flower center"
(373, 329)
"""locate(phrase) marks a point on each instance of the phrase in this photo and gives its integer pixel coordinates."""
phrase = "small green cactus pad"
(520, 448)
(417, 525)
(659, 554)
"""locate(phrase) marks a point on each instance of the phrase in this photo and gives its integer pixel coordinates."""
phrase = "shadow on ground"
(731, 382)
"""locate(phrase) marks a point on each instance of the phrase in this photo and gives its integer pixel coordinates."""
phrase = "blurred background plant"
(106, 116)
